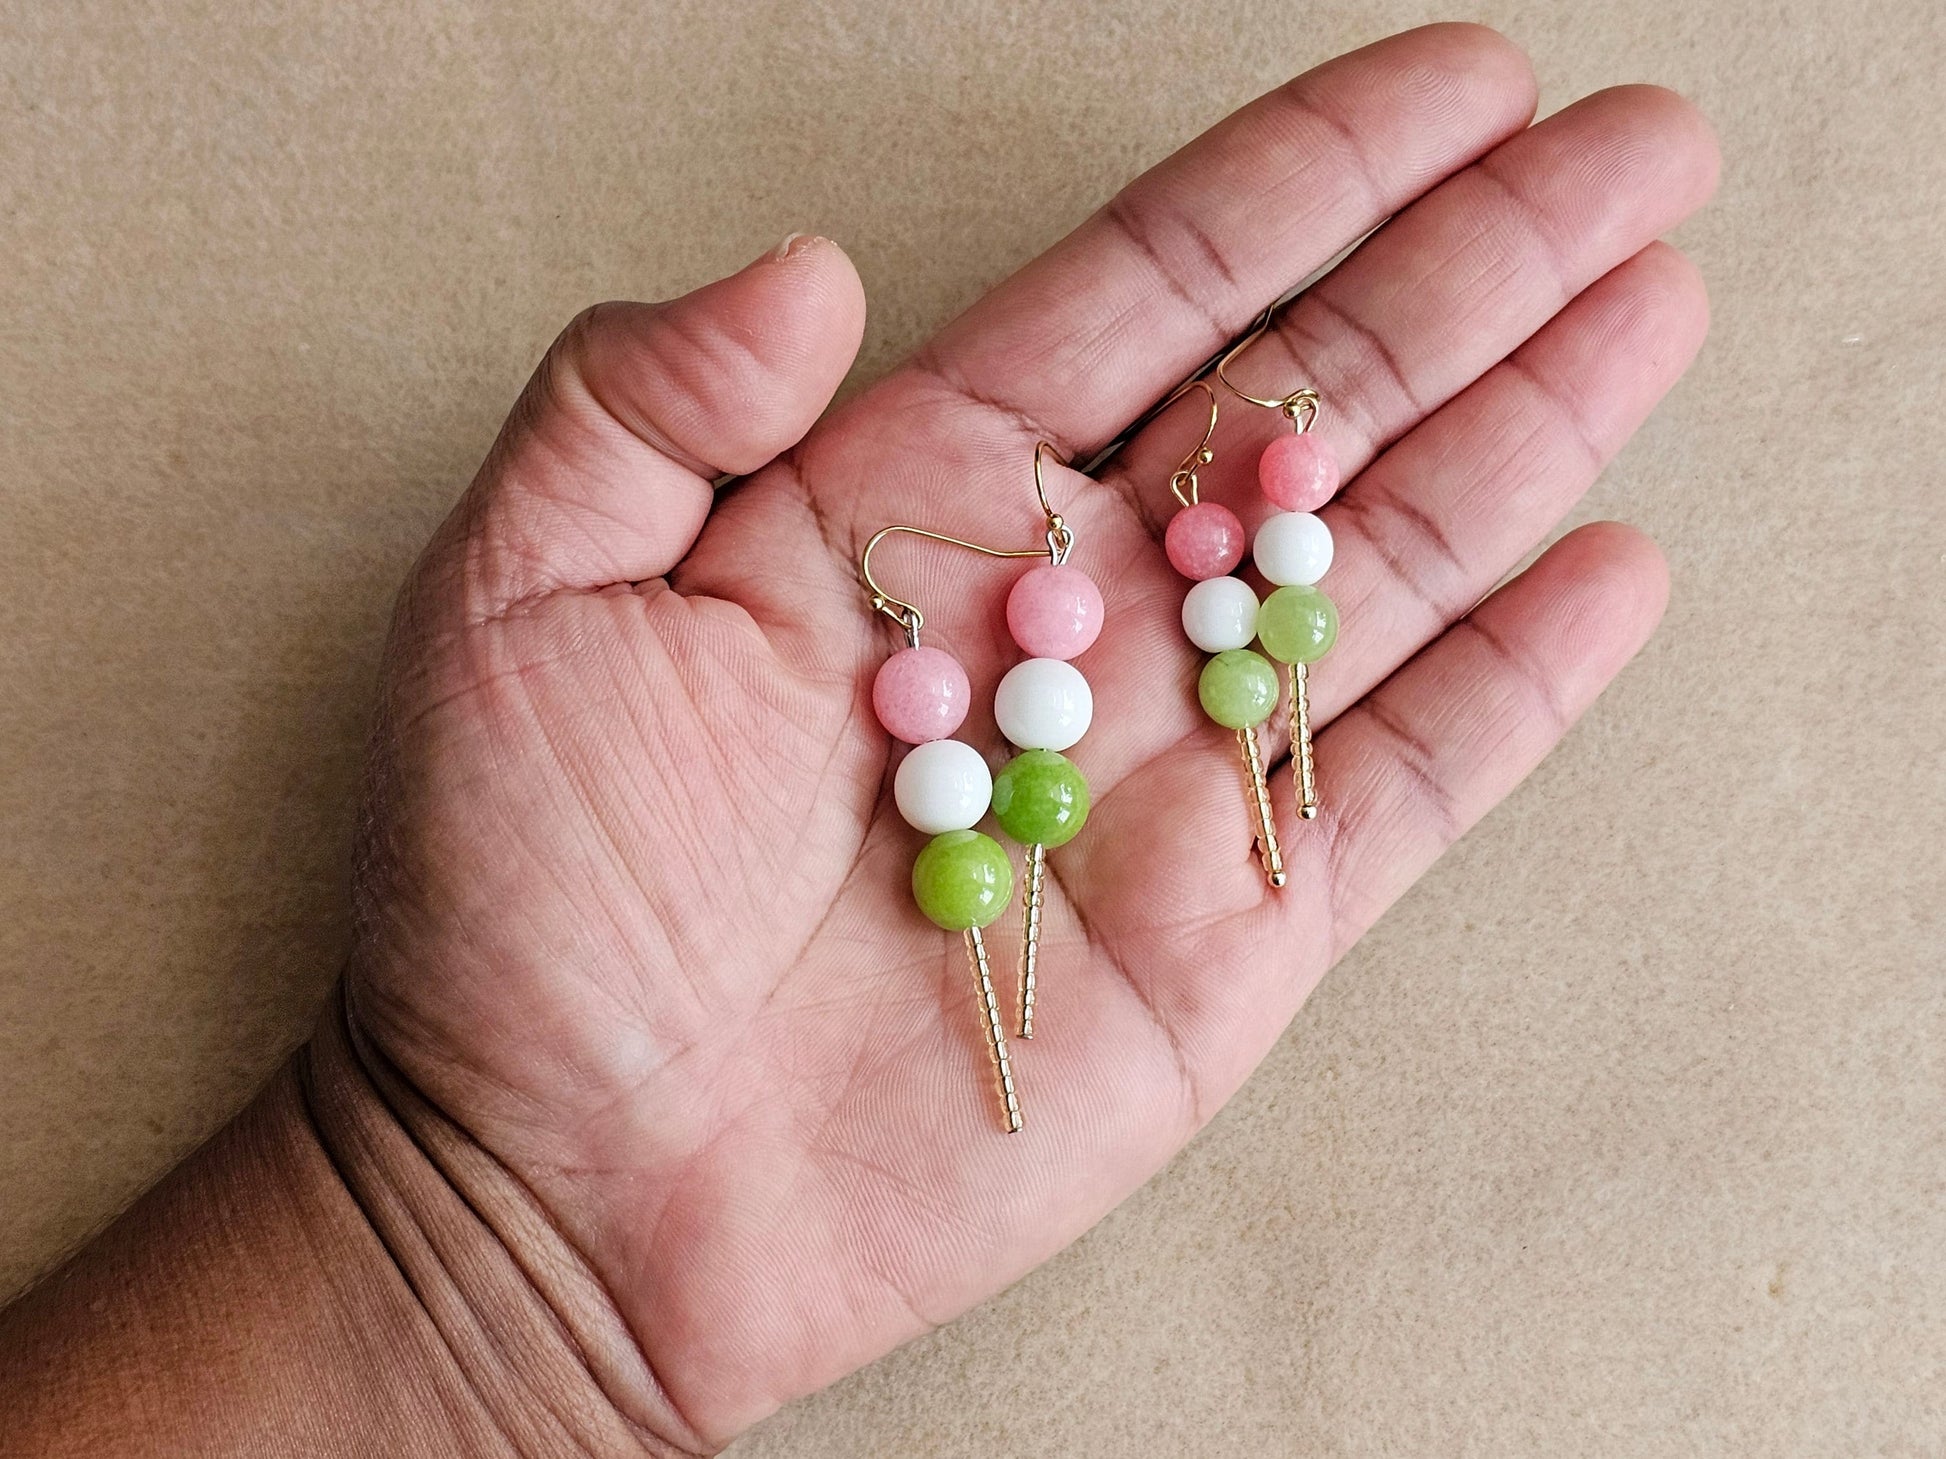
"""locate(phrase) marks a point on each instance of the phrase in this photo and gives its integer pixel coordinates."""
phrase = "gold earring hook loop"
(1060, 539)
(1300, 406)
(1183, 483)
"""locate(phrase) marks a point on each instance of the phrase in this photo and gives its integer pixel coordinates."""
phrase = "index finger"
(1086, 336)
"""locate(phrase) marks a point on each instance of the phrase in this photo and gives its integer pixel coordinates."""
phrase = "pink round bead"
(921, 694)
(1054, 612)
(1204, 541)
(1298, 472)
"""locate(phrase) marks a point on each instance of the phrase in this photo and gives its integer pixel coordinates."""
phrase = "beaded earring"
(1237, 687)
(1297, 623)
(1221, 614)
(962, 879)
(1044, 705)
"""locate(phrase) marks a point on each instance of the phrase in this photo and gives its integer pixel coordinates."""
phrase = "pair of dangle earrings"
(1295, 624)
(962, 879)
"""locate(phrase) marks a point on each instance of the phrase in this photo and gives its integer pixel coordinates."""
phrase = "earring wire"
(1300, 406)
(1183, 484)
(1290, 296)
(1058, 544)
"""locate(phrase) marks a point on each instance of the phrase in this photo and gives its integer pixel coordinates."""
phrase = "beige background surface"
(1624, 1134)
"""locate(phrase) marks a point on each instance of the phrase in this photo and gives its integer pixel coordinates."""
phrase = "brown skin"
(650, 1102)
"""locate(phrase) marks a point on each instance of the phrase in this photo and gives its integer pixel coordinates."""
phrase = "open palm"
(634, 908)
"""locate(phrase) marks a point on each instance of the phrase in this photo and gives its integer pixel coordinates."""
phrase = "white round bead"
(942, 785)
(1292, 548)
(1043, 704)
(1220, 613)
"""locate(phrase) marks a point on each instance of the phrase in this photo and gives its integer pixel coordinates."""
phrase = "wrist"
(340, 1270)
(519, 1316)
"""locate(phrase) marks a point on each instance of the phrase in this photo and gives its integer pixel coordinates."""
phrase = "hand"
(633, 902)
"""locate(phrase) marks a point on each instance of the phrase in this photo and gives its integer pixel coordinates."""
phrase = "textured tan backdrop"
(1624, 1134)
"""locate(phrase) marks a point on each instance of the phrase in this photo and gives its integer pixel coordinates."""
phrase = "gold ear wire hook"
(1060, 542)
(1300, 406)
(1183, 484)
(907, 615)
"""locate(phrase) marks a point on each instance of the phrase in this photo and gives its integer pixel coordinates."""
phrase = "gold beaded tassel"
(1268, 851)
(1307, 770)
(996, 1033)
(1030, 933)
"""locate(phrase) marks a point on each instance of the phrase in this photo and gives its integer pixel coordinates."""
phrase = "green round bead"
(962, 879)
(1040, 799)
(1297, 625)
(1238, 688)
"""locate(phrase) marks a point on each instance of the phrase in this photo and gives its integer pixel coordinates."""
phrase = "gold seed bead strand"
(996, 1033)
(1307, 770)
(1030, 949)
(1269, 851)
